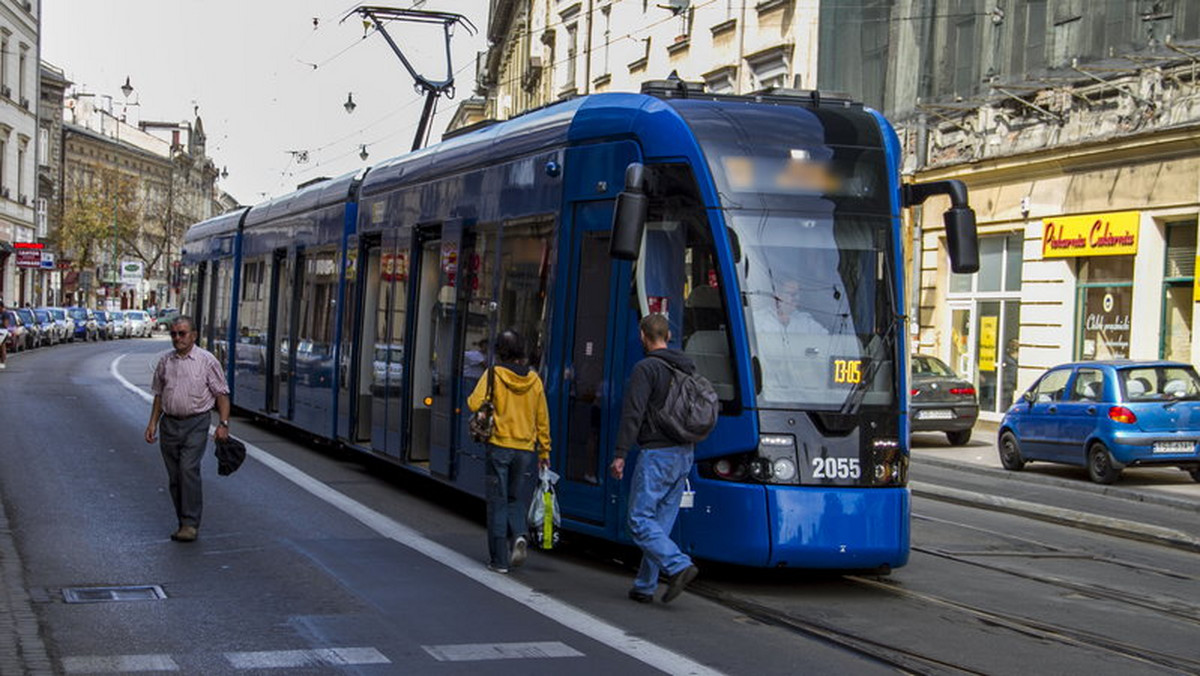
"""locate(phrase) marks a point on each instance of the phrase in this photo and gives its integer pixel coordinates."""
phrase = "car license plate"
(1174, 446)
(937, 414)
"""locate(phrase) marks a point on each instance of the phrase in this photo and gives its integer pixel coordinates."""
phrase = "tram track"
(915, 662)
(905, 660)
(1171, 607)
(927, 661)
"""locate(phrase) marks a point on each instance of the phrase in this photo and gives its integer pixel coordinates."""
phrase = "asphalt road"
(312, 561)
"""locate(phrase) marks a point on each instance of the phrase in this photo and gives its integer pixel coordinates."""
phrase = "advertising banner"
(1112, 234)
(131, 272)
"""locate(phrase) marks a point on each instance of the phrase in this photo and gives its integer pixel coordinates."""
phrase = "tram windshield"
(806, 196)
(819, 305)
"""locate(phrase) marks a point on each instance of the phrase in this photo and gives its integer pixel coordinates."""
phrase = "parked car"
(33, 328)
(120, 326)
(139, 323)
(18, 334)
(103, 327)
(66, 326)
(164, 318)
(941, 400)
(46, 326)
(85, 323)
(1105, 416)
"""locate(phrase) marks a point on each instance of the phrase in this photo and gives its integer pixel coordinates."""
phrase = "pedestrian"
(520, 439)
(187, 383)
(662, 466)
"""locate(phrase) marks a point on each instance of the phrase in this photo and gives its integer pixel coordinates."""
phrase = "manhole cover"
(148, 592)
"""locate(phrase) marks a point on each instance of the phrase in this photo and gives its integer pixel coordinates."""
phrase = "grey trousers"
(183, 443)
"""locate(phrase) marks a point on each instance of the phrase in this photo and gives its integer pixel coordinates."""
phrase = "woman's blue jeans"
(654, 495)
(509, 482)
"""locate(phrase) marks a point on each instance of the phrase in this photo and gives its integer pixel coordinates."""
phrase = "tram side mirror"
(629, 215)
(962, 241)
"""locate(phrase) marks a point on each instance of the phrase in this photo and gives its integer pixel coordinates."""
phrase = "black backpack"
(690, 410)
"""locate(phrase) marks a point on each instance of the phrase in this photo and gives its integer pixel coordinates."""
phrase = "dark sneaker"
(678, 582)
(635, 595)
(185, 534)
(497, 569)
(520, 550)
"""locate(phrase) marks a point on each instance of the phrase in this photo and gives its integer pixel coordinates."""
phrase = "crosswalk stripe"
(117, 664)
(290, 659)
(474, 652)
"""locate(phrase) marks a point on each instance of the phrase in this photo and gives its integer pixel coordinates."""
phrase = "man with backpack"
(654, 415)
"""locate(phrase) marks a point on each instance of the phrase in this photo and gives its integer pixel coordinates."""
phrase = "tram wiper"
(881, 346)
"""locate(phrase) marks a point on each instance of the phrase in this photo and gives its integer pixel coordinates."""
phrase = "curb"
(22, 650)
(1101, 524)
(1078, 486)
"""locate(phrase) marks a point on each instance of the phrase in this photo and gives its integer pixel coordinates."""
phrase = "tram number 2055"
(836, 468)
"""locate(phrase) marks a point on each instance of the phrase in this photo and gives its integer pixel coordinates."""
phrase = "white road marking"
(567, 615)
(118, 664)
(475, 652)
(294, 659)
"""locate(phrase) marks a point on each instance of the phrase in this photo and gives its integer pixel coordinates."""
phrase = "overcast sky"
(249, 66)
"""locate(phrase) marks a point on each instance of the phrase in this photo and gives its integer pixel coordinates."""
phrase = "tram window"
(314, 352)
(680, 271)
(250, 351)
(219, 318)
(525, 281)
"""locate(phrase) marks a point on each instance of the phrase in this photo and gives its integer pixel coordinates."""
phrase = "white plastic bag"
(544, 519)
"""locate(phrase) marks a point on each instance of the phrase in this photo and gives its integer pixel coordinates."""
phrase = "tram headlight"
(783, 469)
(777, 456)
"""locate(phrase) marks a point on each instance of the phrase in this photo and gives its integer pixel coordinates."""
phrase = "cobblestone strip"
(21, 648)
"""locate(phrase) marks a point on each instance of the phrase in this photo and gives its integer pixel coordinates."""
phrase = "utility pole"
(115, 266)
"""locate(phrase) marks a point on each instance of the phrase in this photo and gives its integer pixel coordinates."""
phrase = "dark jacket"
(647, 389)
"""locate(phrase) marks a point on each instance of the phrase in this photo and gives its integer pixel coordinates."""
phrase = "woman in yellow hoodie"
(521, 432)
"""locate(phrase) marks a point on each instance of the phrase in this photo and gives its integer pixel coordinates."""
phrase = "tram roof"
(309, 198)
(217, 225)
(609, 115)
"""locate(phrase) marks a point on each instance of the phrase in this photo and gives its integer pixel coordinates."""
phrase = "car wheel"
(958, 438)
(1010, 453)
(1195, 472)
(1101, 468)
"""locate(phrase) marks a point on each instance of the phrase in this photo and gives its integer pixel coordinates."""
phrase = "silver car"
(139, 323)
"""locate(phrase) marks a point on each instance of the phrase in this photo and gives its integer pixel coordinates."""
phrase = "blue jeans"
(655, 491)
(509, 482)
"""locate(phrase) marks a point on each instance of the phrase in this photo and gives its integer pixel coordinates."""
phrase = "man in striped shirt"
(187, 383)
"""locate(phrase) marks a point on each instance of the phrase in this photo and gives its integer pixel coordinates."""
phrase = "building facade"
(546, 50)
(130, 191)
(1069, 120)
(19, 261)
(1077, 142)
(48, 207)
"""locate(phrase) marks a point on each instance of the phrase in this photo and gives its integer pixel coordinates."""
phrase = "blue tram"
(767, 229)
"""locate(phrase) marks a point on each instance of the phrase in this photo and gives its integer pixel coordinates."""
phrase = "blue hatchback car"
(1105, 416)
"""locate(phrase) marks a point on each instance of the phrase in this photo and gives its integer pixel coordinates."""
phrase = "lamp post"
(115, 267)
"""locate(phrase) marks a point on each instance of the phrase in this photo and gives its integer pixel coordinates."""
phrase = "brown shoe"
(185, 534)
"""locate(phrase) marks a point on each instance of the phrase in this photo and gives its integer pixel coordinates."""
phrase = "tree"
(99, 205)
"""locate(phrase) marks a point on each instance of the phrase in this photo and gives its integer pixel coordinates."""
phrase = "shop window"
(1000, 260)
(1106, 305)
(1178, 296)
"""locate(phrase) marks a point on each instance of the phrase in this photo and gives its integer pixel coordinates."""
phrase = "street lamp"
(363, 153)
(127, 89)
(349, 105)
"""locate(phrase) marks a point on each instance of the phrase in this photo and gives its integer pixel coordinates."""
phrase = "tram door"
(431, 395)
(279, 356)
(588, 406)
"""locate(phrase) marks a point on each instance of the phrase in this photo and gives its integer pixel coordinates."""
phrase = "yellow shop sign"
(1112, 234)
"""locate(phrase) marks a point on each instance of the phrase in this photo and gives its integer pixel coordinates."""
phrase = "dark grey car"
(941, 400)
